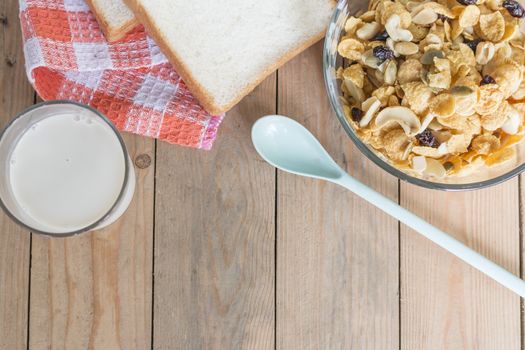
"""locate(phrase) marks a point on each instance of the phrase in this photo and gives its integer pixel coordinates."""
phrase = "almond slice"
(370, 106)
(425, 16)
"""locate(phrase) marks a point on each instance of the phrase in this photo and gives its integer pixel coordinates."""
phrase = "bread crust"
(112, 33)
(194, 86)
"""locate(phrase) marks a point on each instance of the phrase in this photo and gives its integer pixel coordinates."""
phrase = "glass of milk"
(64, 170)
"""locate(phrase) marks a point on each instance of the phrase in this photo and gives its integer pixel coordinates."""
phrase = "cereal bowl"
(474, 174)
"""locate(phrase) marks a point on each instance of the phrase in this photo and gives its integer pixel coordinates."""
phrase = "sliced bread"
(224, 49)
(114, 17)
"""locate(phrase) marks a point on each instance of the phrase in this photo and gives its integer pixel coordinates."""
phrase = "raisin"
(467, 2)
(426, 138)
(448, 166)
(381, 36)
(444, 18)
(473, 44)
(383, 53)
(487, 79)
(357, 114)
(514, 8)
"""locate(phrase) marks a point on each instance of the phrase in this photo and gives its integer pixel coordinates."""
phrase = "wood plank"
(445, 303)
(521, 183)
(15, 95)
(214, 239)
(337, 262)
(94, 291)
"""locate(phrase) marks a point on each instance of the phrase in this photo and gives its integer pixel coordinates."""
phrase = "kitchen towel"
(129, 81)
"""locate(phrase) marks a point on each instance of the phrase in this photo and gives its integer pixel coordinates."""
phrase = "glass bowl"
(331, 60)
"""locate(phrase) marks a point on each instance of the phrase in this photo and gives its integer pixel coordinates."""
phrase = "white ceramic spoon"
(289, 146)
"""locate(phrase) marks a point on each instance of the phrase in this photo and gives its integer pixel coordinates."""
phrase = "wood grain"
(445, 303)
(337, 256)
(94, 291)
(15, 95)
(243, 261)
(214, 239)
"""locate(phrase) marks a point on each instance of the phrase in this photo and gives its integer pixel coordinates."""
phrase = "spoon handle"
(434, 234)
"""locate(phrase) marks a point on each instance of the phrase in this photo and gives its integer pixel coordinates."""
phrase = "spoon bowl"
(289, 146)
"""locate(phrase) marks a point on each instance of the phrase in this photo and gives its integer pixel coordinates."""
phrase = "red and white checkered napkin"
(129, 81)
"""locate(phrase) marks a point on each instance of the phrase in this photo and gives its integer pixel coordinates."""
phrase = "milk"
(67, 171)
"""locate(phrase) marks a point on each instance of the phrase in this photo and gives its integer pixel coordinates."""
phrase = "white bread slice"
(114, 17)
(224, 49)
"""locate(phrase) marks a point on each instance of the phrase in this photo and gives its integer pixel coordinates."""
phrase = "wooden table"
(221, 251)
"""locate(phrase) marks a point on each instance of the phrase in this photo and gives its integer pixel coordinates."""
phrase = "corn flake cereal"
(490, 97)
(469, 17)
(395, 143)
(351, 25)
(417, 95)
(491, 26)
(443, 105)
(427, 151)
(508, 76)
(485, 144)
(351, 49)
(439, 80)
(500, 157)
(470, 125)
(355, 74)
(458, 143)
(409, 71)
